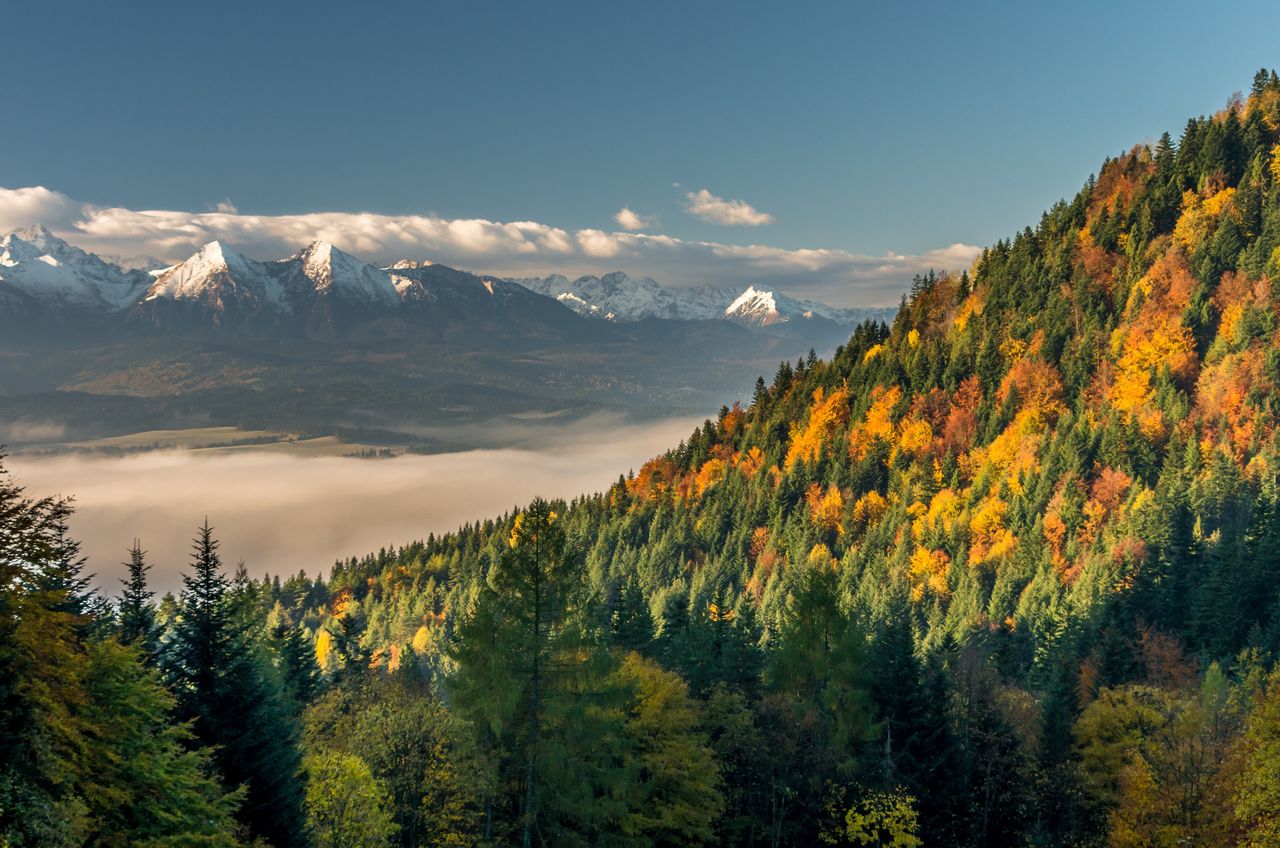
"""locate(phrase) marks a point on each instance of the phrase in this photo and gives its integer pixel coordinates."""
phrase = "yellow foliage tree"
(878, 423)
(885, 820)
(711, 473)
(869, 509)
(826, 507)
(916, 436)
(989, 538)
(1199, 217)
(827, 414)
(928, 568)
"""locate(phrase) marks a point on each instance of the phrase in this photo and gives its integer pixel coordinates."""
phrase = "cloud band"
(515, 248)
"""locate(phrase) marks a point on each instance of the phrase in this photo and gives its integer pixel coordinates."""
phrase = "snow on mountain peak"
(755, 306)
(318, 255)
(37, 236)
(408, 265)
(754, 299)
(212, 273)
(47, 269)
(332, 270)
(214, 254)
(618, 297)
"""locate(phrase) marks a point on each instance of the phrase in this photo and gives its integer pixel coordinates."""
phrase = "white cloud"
(226, 207)
(517, 248)
(629, 220)
(730, 213)
(21, 207)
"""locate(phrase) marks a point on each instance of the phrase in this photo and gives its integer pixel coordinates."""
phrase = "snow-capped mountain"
(756, 308)
(46, 284)
(39, 266)
(431, 289)
(619, 297)
(319, 291)
(219, 278)
(334, 273)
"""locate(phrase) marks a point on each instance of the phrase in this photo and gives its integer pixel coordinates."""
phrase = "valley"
(415, 356)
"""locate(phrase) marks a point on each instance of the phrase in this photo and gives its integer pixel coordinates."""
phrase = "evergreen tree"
(235, 706)
(137, 613)
(298, 663)
(531, 634)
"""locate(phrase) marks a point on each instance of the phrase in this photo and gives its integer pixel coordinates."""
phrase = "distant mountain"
(322, 291)
(429, 288)
(318, 287)
(323, 342)
(621, 298)
(46, 283)
(38, 269)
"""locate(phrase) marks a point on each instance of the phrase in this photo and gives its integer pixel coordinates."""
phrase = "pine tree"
(137, 612)
(297, 662)
(203, 639)
(63, 573)
(42, 663)
(760, 396)
(631, 622)
(533, 677)
(236, 707)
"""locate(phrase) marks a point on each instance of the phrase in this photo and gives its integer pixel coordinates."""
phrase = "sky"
(831, 149)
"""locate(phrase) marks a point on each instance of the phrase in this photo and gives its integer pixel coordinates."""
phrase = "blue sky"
(856, 127)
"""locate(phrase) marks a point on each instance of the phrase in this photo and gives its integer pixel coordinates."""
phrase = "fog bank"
(282, 513)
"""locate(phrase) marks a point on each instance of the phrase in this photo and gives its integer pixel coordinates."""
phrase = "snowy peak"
(324, 286)
(217, 277)
(46, 269)
(190, 277)
(755, 307)
(33, 242)
(331, 271)
(619, 297)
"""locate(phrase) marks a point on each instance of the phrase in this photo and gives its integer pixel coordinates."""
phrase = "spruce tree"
(235, 706)
(298, 662)
(137, 613)
(534, 680)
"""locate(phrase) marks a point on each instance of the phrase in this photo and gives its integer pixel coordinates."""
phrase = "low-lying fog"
(282, 513)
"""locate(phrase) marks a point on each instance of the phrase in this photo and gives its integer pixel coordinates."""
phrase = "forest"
(1002, 573)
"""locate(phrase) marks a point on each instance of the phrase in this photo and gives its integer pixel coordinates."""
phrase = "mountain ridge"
(617, 296)
(323, 288)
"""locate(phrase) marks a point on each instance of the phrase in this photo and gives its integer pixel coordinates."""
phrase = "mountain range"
(619, 297)
(322, 290)
(411, 354)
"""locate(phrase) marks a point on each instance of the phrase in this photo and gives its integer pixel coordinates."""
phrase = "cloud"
(516, 248)
(730, 213)
(308, 511)
(26, 430)
(226, 207)
(21, 207)
(629, 220)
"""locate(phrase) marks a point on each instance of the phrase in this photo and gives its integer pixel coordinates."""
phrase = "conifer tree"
(297, 662)
(236, 707)
(532, 675)
(137, 612)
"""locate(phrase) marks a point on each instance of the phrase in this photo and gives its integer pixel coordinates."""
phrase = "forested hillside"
(1002, 573)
